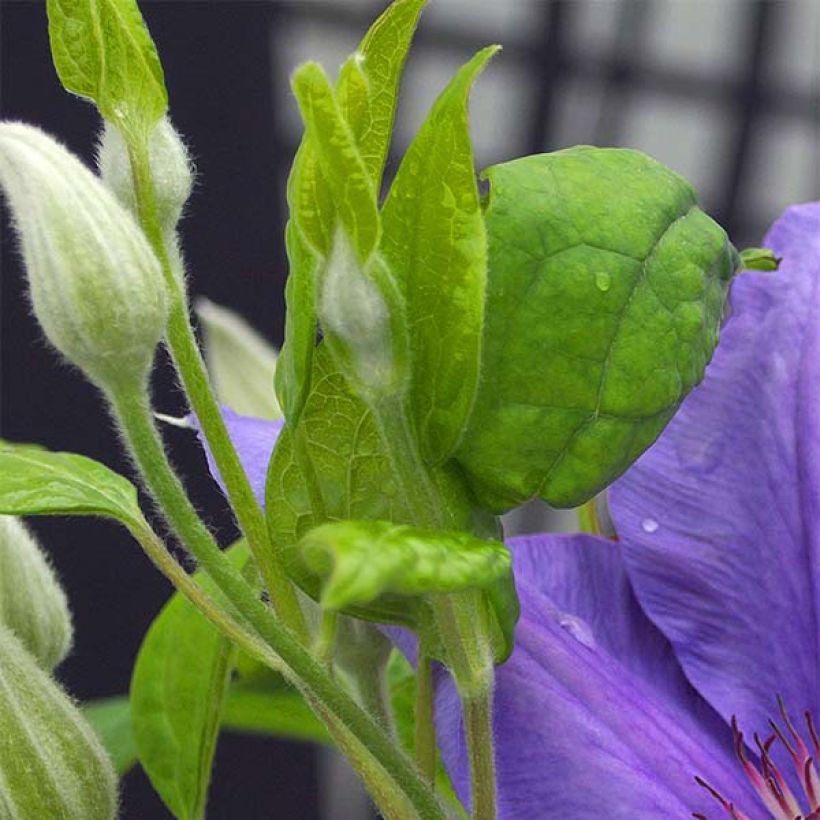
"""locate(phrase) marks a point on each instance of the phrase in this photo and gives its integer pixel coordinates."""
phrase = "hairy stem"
(425, 735)
(194, 376)
(383, 767)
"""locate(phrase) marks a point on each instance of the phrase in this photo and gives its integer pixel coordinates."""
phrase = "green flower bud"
(51, 763)
(171, 171)
(96, 286)
(32, 603)
(606, 287)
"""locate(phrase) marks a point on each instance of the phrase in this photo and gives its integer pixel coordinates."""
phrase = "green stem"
(457, 615)
(425, 736)
(249, 642)
(191, 368)
(323, 648)
(383, 766)
(478, 722)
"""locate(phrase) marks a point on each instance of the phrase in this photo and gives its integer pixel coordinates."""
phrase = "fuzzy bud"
(365, 335)
(32, 603)
(96, 285)
(171, 171)
(51, 762)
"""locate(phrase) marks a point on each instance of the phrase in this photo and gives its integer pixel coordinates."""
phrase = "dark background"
(564, 78)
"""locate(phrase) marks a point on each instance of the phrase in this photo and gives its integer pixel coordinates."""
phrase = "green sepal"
(51, 762)
(102, 51)
(435, 244)
(362, 560)
(41, 482)
(178, 689)
(605, 296)
(758, 259)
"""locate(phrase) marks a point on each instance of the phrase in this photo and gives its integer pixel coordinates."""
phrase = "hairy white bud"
(171, 171)
(356, 318)
(96, 285)
(51, 762)
(32, 602)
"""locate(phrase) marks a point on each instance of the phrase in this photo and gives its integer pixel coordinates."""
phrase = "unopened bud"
(51, 762)
(357, 310)
(171, 171)
(96, 285)
(32, 603)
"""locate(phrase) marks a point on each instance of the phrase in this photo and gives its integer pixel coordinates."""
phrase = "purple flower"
(633, 656)
(254, 440)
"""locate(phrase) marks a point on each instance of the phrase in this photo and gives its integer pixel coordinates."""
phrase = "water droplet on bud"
(603, 281)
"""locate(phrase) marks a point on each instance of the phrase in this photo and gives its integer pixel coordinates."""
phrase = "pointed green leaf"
(178, 689)
(434, 242)
(362, 560)
(605, 295)
(102, 51)
(111, 719)
(40, 482)
(349, 182)
(368, 93)
(369, 82)
(241, 362)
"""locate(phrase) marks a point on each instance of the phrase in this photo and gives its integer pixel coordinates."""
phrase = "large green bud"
(51, 763)
(96, 286)
(32, 603)
(605, 295)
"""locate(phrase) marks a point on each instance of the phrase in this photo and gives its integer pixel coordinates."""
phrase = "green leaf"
(435, 244)
(354, 479)
(401, 682)
(368, 91)
(40, 482)
(102, 51)
(277, 710)
(351, 187)
(605, 295)
(111, 719)
(758, 259)
(369, 82)
(178, 688)
(241, 362)
(362, 560)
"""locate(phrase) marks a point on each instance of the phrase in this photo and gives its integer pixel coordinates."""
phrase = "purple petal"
(719, 519)
(585, 577)
(254, 440)
(580, 736)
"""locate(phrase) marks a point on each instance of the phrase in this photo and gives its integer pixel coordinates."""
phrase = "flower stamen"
(768, 781)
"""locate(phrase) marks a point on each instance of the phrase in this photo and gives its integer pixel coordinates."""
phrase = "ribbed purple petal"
(254, 440)
(586, 579)
(579, 736)
(720, 519)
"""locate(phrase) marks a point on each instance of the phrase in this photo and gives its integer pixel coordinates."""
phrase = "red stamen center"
(767, 780)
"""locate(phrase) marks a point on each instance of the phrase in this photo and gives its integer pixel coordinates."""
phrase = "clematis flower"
(639, 661)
